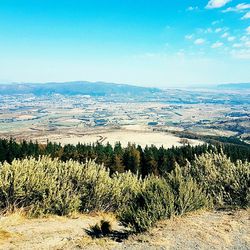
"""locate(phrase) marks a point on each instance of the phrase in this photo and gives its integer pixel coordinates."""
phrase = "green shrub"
(47, 186)
(124, 187)
(240, 189)
(44, 186)
(153, 202)
(188, 196)
(100, 192)
(96, 192)
(225, 182)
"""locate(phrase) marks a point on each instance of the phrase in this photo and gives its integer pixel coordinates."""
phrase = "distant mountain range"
(93, 88)
(237, 86)
(74, 88)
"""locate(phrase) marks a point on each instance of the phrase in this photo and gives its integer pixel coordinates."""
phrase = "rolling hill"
(234, 86)
(74, 88)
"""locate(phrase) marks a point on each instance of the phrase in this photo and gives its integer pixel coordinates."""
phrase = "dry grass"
(210, 229)
(105, 216)
(18, 231)
(4, 235)
(202, 229)
(90, 243)
(13, 219)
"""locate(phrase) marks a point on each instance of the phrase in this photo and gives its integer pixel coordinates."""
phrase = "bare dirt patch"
(203, 230)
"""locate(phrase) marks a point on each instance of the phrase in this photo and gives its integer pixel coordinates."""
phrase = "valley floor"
(201, 230)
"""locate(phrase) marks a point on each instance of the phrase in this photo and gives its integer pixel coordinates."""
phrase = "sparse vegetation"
(101, 229)
(4, 235)
(50, 186)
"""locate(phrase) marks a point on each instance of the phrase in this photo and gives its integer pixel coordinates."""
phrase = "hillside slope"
(74, 88)
(203, 230)
(235, 86)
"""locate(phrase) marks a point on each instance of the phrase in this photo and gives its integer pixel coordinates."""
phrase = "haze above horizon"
(152, 43)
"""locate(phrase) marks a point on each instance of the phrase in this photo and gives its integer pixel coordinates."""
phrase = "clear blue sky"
(145, 42)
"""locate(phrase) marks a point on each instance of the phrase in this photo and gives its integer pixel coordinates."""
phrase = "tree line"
(142, 161)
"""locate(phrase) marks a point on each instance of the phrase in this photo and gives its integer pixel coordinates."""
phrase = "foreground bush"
(227, 183)
(188, 195)
(100, 192)
(153, 202)
(160, 198)
(43, 186)
(47, 186)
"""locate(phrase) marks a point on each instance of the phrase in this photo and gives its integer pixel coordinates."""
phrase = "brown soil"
(203, 230)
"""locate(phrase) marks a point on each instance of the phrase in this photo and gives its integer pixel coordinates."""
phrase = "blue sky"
(145, 42)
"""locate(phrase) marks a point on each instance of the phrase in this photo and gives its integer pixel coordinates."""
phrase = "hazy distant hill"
(234, 86)
(74, 88)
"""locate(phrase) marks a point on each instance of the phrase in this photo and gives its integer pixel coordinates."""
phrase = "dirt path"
(206, 230)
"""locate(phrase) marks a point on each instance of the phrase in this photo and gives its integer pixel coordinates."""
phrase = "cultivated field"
(131, 134)
(81, 118)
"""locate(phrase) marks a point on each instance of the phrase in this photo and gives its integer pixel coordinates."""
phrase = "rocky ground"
(201, 230)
